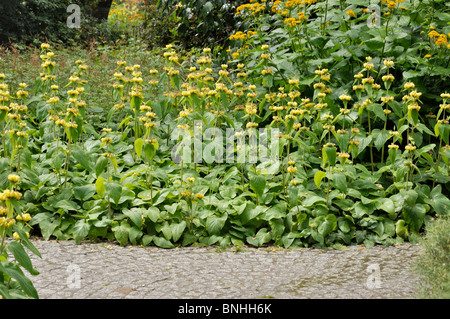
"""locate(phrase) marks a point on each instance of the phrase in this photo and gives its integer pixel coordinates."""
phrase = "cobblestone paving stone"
(103, 270)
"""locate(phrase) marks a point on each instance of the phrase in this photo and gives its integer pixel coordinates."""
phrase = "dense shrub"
(37, 21)
(21, 21)
(363, 138)
(201, 22)
(433, 265)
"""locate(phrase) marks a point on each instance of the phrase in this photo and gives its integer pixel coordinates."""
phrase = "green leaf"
(114, 163)
(340, 181)
(275, 212)
(115, 191)
(330, 155)
(258, 184)
(214, 224)
(344, 224)
(318, 178)
(380, 138)
(401, 229)
(410, 196)
(138, 146)
(363, 143)
(80, 230)
(26, 242)
(414, 216)
(152, 213)
(386, 204)
(439, 202)
(134, 234)
(121, 232)
(277, 227)
(177, 230)
(67, 205)
(16, 273)
(377, 109)
(261, 237)
(134, 216)
(162, 242)
(100, 165)
(22, 257)
(100, 186)
(81, 157)
(312, 200)
(328, 225)
(85, 192)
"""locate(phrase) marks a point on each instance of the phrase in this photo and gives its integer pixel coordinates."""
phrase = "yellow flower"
(186, 193)
(291, 169)
(391, 146)
(199, 196)
(3, 210)
(7, 194)
(345, 97)
(106, 140)
(410, 147)
(351, 13)
(13, 178)
(409, 85)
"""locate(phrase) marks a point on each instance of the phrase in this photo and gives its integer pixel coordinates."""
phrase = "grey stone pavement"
(108, 271)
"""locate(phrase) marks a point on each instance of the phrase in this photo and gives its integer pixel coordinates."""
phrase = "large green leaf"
(138, 144)
(340, 181)
(386, 204)
(16, 273)
(261, 237)
(67, 205)
(27, 243)
(100, 165)
(439, 202)
(82, 158)
(134, 215)
(401, 229)
(84, 192)
(152, 213)
(162, 242)
(80, 230)
(177, 230)
(328, 225)
(258, 184)
(115, 191)
(100, 186)
(414, 216)
(214, 224)
(22, 257)
(318, 178)
(121, 232)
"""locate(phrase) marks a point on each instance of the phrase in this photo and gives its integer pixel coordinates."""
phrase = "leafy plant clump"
(305, 136)
(433, 264)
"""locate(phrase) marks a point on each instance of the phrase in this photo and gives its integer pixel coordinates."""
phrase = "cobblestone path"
(102, 270)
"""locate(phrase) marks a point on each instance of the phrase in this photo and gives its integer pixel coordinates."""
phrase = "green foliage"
(23, 20)
(201, 22)
(432, 266)
(368, 165)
